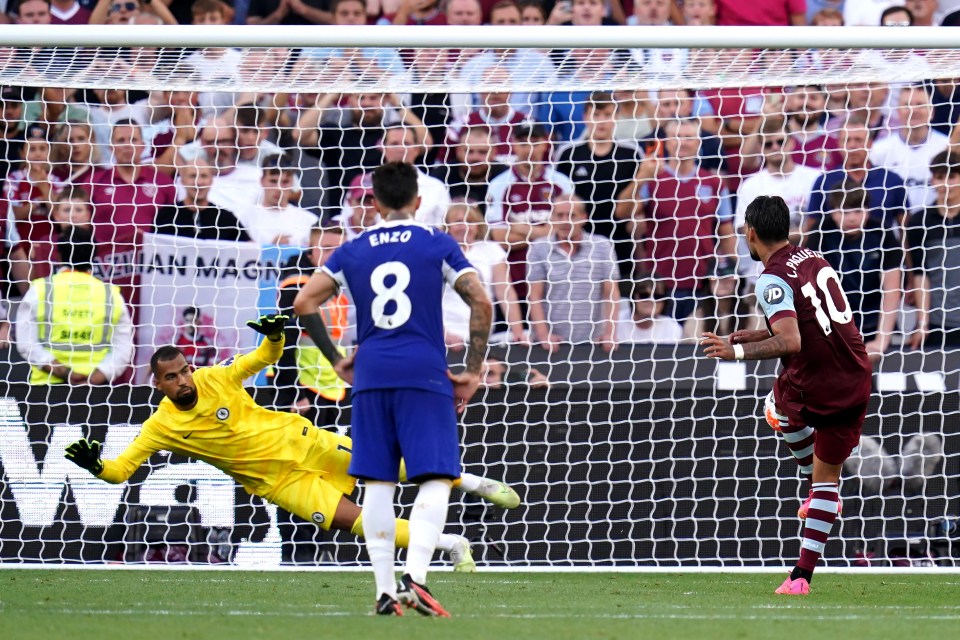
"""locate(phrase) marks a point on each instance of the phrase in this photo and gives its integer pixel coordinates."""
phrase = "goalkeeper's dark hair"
(769, 217)
(165, 353)
(395, 185)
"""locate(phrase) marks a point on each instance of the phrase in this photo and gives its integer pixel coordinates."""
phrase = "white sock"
(379, 530)
(426, 526)
(447, 542)
(470, 483)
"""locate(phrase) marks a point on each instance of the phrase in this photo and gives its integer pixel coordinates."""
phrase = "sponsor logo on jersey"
(773, 294)
(317, 517)
(223, 413)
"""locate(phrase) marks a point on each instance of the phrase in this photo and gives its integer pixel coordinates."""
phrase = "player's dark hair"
(163, 354)
(769, 217)
(395, 185)
(849, 199)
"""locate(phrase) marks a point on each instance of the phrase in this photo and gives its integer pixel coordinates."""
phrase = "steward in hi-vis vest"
(71, 326)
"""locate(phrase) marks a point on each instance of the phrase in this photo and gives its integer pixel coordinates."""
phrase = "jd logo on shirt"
(223, 413)
(773, 294)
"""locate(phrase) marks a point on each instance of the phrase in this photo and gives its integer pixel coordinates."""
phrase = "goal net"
(599, 191)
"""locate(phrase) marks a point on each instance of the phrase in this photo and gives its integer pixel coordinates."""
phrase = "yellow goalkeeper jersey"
(257, 447)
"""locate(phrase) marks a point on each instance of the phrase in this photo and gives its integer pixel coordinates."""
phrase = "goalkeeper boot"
(417, 596)
(462, 557)
(805, 507)
(387, 606)
(798, 587)
(498, 494)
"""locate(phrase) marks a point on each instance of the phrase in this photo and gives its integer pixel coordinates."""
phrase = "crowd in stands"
(593, 217)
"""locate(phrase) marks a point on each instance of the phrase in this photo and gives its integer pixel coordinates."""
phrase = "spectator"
(602, 171)
(519, 200)
(650, 13)
(12, 129)
(235, 186)
(494, 112)
(862, 101)
(497, 373)
(33, 12)
(642, 319)
(634, 117)
(562, 111)
(305, 379)
(54, 105)
(868, 259)
(526, 67)
(886, 193)
(466, 225)
(29, 189)
(74, 156)
(908, 150)
(780, 175)
(532, 13)
(71, 209)
(826, 17)
(375, 62)
(72, 327)
(509, 13)
(129, 11)
(468, 179)
(168, 120)
(195, 216)
(688, 234)
(895, 16)
(762, 13)
(400, 144)
(417, 12)
(667, 63)
(350, 148)
(253, 131)
(274, 220)
(289, 12)
(865, 13)
(126, 198)
(933, 242)
(945, 97)
(681, 104)
(699, 13)
(464, 13)
(362, 212)
(212, 63)
(805, 108)
(923, 12)
(573, 282)
(68, 12)
(590, 13)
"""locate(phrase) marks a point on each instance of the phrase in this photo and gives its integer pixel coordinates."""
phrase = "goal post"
(627, 446)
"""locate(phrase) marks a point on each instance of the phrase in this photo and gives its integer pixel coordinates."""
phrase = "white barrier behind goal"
(628, 448)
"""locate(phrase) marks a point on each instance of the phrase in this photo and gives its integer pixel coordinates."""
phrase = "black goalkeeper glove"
(85, 454)
(269, 325)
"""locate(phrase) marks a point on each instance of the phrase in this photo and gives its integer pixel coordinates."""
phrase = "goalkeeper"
(282, 457)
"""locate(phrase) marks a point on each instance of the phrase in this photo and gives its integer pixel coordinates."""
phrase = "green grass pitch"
(210, 605)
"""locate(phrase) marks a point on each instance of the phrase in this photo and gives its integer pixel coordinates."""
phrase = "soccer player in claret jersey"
(820, 397)
(405, 400)
(282, 457)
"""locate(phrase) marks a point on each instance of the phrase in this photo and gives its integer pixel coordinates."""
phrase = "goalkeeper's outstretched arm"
(86, 454)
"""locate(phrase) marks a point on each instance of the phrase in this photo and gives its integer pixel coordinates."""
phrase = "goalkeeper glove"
(86, 454)
(269, 325)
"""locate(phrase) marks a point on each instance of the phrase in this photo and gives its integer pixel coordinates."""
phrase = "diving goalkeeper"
(282, 457)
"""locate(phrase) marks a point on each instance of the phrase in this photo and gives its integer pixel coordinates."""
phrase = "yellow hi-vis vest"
(76, 316)
(314, 370)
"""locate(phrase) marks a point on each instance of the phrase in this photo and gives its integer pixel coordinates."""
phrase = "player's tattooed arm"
(313, 324)
(471, 290)
(785, 341)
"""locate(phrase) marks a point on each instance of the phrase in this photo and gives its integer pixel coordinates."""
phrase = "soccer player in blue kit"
(405, 400)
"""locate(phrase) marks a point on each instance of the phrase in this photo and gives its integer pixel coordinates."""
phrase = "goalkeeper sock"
(824, 504)
(468, 483)
(402, 538)
(426, 526)
(800, 439)
(380, 527)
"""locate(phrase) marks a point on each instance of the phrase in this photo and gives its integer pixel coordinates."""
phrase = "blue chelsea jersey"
(396, 273)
